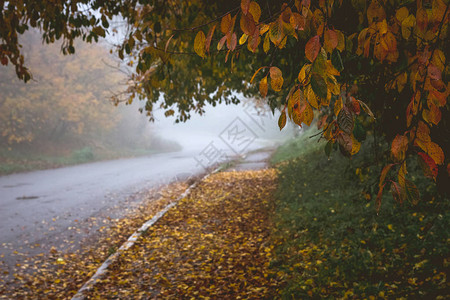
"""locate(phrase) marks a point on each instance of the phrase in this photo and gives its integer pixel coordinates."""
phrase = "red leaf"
(397, 192)
(384, 173)
(378, 199)
(209, 37)
(434, 72)
(312, 48)
(355, 106)
(429, 167)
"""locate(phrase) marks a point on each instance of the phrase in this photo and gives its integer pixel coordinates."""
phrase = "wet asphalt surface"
(48, 209)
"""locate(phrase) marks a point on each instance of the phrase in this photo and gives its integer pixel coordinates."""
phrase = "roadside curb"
(101, 271)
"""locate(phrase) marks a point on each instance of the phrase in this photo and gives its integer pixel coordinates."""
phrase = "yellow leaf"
(308, 115)
(338, 106)
(401, 13)
(266, 44)
(255, 11)
(243, 39)
(438, 59)
(304, 72)
(341, 41)
(355, 146)
(263, 87)
(407, 26)
(282, 120)
(401, 81)
(311, 97)
(263, 29)
(199, 44)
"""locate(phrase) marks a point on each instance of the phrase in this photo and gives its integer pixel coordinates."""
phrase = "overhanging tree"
(344, 63)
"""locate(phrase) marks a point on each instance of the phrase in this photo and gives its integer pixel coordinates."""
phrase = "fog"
(234, 129)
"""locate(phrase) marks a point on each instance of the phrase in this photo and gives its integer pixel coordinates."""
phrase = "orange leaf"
(422, 19)
(312, 48)
(432, 115)
(383, 174)
(254, 74)
(247, 25)
(282, 120)
(297, 21)
(423, 132)
(225, 24)
(245, 4)
(276, 78)
(209, 38)
(233, 42)
(379, 195)
(399, 147)
(375, 12)
(330, 39)
(435, 152)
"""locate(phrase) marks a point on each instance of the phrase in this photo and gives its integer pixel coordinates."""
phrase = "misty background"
(64, 115)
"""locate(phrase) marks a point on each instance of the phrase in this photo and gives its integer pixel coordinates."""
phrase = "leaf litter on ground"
(213, 244)
(61, 271)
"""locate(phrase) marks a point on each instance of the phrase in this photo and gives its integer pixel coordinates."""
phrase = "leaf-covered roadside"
(59, 273)
(213, 244)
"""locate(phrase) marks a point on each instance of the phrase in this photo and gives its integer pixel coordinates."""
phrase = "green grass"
(13, 161)
(331, 243)
(294, 148)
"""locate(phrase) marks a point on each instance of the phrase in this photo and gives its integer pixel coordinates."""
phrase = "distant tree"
(68, 97)
(329, 60)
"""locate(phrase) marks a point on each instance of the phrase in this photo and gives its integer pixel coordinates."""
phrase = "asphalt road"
(40, 209)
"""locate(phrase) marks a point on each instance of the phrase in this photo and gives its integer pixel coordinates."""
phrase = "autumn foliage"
(408, 39)
(378, 67)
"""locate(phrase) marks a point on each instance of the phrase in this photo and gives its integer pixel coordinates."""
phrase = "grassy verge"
(332, 243)
(14, 161)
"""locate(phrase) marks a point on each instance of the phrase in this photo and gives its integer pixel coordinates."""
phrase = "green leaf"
(336, 60)
(412, 192)
(319, 86)
(328, 148)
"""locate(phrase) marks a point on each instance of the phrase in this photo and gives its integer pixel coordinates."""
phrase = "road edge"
(101, 271)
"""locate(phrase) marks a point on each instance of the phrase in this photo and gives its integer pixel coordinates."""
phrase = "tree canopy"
(357, 67)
